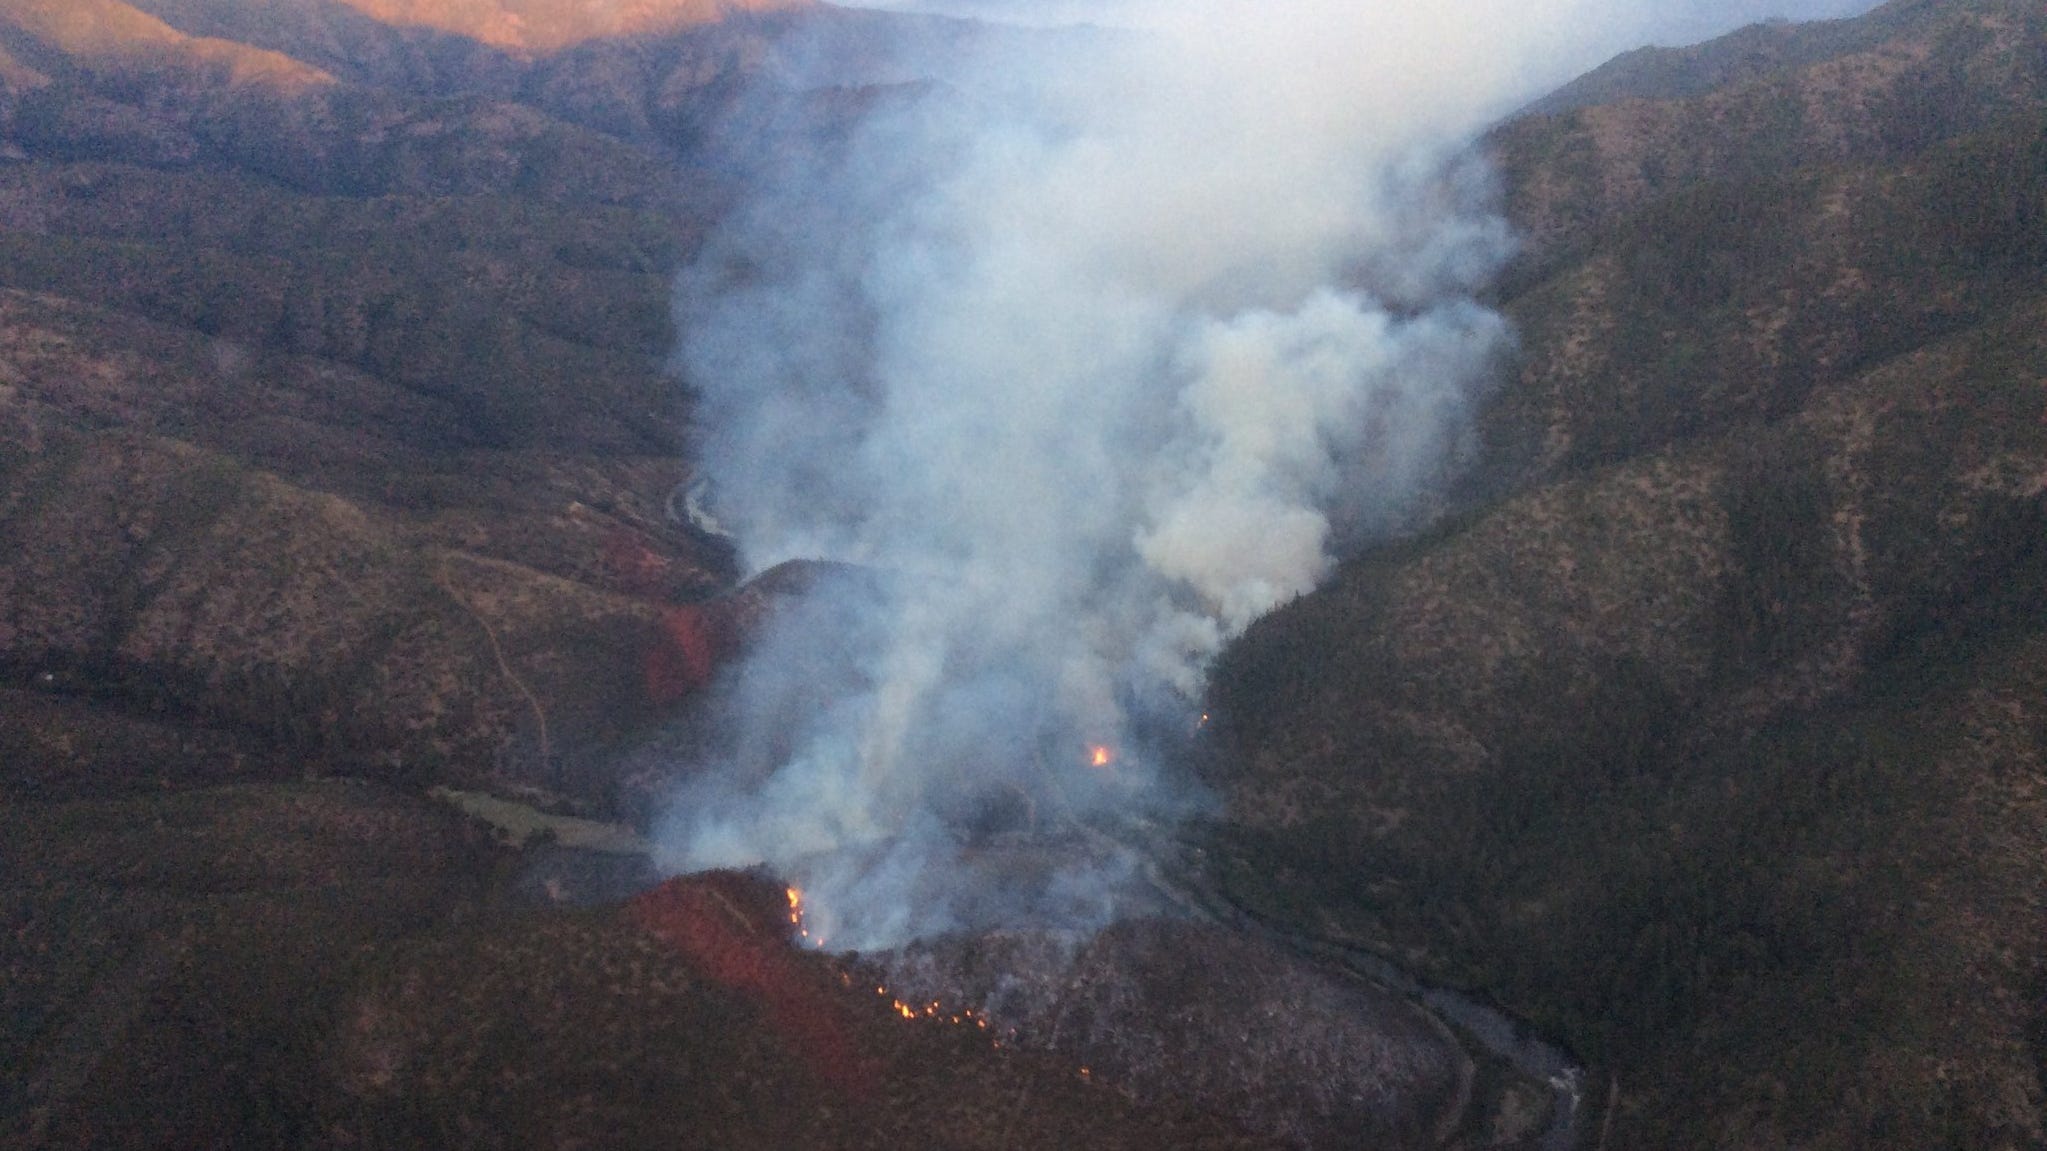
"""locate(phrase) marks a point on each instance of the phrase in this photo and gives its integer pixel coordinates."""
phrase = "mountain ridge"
(107, 35)
(545, 26)
(1718, 706)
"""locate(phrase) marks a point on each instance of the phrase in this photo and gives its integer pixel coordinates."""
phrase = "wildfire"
(936, 1012)
(933, 1011)
(796, 918)
(1100, 756)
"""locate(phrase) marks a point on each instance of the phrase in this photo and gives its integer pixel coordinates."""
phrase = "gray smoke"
(1086, 351)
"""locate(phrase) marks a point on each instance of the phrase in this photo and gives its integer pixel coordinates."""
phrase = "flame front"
(796, 918)
(933, 1010)
(936, 1011)
(1100, 756)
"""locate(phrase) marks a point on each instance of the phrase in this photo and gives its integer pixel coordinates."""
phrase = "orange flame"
(936, 1011)
(796, 917)
(1100, 756)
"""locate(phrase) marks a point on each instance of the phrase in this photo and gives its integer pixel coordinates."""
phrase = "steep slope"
(332, 418)
(106, 37)
(1909, 74)
(268, 514)
(1710, 738)
(1756, 52)
(411, 299)
(1728, 301)
(366, 36)
(16, 76)
(664, 86)
(549, 25)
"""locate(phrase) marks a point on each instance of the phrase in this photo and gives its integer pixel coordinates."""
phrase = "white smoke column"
(1092, 349)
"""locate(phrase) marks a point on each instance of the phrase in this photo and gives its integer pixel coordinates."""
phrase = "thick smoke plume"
(1082, 353)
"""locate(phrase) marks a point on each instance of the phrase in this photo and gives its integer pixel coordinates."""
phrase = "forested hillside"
(1709, 737)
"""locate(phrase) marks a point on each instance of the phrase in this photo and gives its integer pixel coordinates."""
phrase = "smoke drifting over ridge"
(1087, 351)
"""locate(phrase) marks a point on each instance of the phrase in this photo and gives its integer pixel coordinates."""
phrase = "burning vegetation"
(691, 1020)
(727, 925)
(933, 1010)
(1166, 1010)
(902, 1070)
